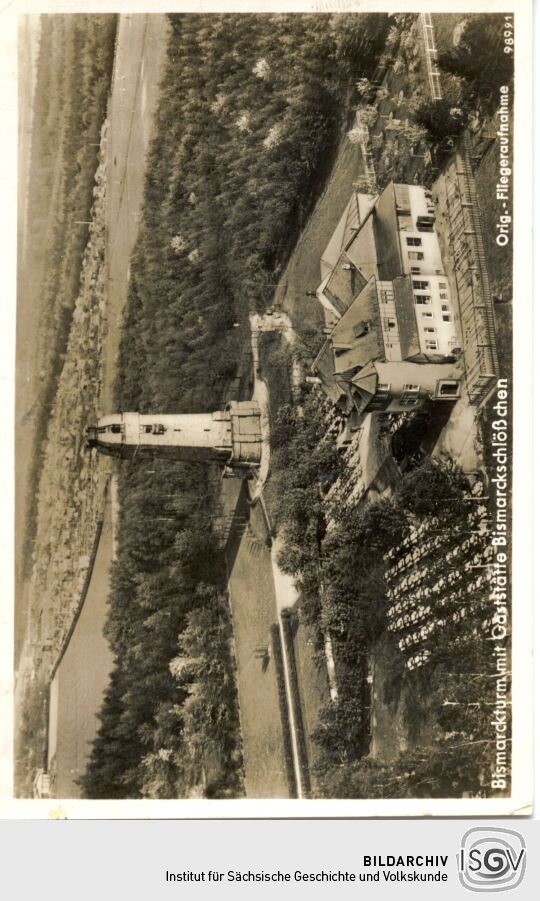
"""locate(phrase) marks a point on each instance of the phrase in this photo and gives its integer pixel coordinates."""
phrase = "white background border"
(519, 803)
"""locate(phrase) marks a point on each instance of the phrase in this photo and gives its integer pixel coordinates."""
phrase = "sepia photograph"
(264, 405)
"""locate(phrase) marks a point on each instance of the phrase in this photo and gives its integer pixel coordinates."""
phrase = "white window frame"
(453, 383)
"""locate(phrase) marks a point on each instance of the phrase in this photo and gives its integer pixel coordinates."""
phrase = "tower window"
(431, 344)
(414, 242)
(415, 255)
(429, 329)
(427, 315)
(420, 286)
(446, 317)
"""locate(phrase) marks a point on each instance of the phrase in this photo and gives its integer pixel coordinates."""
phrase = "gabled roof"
(361, 250)
(354, 215)
(350, 220)
(364, 386)
(386, 231)
(406, 317)
(357, 337)
(323, 366)
(344, 284)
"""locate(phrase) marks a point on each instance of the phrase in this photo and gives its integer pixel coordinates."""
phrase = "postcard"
(272, 411)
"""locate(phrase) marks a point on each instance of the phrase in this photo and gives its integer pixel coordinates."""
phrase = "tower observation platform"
(231, 436)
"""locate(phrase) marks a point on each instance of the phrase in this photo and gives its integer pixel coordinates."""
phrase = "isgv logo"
(491, 859)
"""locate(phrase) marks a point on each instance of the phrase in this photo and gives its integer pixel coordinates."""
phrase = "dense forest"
(251, 112)
(482, 59)
(73, 78)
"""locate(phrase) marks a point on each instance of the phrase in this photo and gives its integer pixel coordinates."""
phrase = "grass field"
(253, 605)
(303, 270)
(313, 683)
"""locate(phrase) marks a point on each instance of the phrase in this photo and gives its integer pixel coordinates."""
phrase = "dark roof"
(355, 341)
(323, 366)
(362, 251)
(344, 284)
(357, 337)
(364, 386)
(385, 225)
(348, 223)
(406, 317)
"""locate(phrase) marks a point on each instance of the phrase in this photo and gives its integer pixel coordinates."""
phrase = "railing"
(471, 274)
(431, 56)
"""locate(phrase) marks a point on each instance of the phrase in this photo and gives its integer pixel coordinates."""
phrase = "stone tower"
(231, 436)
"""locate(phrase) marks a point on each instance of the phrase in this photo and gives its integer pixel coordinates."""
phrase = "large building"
(391, 324)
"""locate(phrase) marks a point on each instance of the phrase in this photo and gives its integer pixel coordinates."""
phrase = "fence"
(457, 201)
(431, 56)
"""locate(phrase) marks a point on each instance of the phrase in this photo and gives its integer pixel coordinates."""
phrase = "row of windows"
(425, 300)
(409, 394)
(157, 429)
(422, 285)
(445, 318)
(384, 388)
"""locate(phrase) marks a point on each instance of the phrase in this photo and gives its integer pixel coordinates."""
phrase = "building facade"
(392, 327)
(231, 436)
